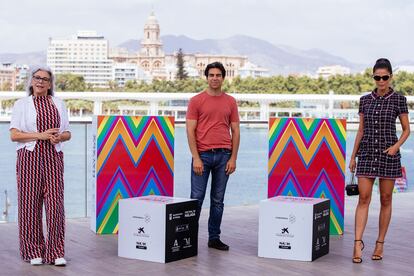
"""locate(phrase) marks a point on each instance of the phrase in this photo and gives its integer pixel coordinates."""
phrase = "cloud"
(356, 30)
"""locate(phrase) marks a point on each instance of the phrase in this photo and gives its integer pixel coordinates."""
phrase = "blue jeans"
(214, 162)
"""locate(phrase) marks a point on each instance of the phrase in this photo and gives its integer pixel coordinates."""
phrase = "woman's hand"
(56, 139)
(392, 150)
(352, 165)
(48, 134)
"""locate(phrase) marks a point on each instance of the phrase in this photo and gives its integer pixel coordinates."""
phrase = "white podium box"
(294, 228)
(157, 228)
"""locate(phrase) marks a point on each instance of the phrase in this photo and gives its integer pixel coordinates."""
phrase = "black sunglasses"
(378, 78)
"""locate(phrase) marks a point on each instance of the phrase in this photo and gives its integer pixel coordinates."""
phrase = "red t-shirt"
(214, 115)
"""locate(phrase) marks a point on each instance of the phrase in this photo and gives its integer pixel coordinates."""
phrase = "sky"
(358, 30)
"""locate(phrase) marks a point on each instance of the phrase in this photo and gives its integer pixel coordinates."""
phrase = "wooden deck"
(89, 254)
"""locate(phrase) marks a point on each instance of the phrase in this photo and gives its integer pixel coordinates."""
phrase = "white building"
(252, 70)
(8, 75)
(172, 70)
(123, 72)
(22, 73)
(84, 54)
(152, 58)
(11, 75)
(328, 71)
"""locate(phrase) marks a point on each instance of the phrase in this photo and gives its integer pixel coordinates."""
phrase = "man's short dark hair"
(217, 65)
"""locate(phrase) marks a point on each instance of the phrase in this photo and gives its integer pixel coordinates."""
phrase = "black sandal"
(358, 260)
(377, 257)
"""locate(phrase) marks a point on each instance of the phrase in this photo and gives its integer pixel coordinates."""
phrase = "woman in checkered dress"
(377, 148)
(39, 125)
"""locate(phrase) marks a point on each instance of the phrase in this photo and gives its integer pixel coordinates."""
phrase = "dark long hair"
(382, 63)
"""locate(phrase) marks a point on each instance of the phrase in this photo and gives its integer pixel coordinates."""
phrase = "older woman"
(39, 125)
(377, 148)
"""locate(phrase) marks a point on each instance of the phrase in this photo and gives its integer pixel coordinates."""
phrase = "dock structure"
(90, 254)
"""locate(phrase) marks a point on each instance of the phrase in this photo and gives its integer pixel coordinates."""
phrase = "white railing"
(175, 104)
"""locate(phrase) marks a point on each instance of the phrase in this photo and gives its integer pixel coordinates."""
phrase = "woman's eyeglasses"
(378, 78)
(40, 79)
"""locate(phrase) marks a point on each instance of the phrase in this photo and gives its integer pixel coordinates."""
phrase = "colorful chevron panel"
(307, 159)
(134, 157)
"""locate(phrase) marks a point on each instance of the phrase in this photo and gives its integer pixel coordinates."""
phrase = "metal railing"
(77, 154)
(5, 213)
(175, 104)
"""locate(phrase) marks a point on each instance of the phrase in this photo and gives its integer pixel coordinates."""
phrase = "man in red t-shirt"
(211, 115)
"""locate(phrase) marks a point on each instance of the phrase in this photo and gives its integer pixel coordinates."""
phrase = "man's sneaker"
(36, 261)
(218, 244)
(60, 262)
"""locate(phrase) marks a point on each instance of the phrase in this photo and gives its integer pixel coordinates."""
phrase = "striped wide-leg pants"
(40, 181)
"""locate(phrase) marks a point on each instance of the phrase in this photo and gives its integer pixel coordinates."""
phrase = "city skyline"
(323, 24)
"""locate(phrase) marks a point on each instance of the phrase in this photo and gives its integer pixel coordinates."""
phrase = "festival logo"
(189, 213)
(285, 245)
(318, 215)
(187, 243)
(141, 245)
(321, 227)
(141, 232)
(284, 232)
(175, 216)
(175, 247)
(182, 228)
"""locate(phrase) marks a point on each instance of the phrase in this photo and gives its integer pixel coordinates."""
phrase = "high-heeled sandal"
(358, 260)
(376, 257)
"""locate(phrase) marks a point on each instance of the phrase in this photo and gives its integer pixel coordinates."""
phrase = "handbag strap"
(353, 179)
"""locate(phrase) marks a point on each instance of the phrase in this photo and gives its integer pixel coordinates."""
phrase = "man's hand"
(231, 166)
(198, 166)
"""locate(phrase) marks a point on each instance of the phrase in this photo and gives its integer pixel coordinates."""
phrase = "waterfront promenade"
(90, 254)
(175, 104)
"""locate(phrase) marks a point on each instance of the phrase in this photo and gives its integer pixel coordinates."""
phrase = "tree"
(181, 73)
(356, 84)
(404, 82)
(6, 86)
(21, 86)
(70, 82)
(113, 86)
(79, 104)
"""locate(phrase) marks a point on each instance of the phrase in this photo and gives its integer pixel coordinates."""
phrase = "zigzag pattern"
(135, 157)
(307, 159)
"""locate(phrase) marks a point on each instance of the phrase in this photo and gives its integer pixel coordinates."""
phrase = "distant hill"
(278, 59)
(404, 62)
(30, 58)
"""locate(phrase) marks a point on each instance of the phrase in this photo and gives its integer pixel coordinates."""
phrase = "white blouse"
(24, 119)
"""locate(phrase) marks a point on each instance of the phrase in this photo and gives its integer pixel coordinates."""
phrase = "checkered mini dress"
(380, 114)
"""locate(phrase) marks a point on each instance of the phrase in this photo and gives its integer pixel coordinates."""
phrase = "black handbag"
(352, 188)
